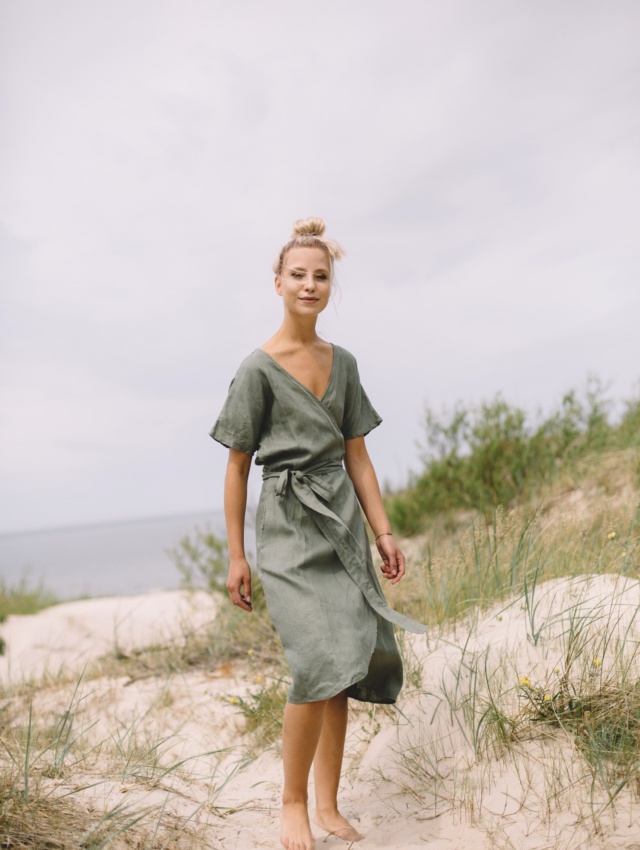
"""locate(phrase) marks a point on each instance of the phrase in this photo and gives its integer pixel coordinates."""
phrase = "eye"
(321, 276)
(297, 275)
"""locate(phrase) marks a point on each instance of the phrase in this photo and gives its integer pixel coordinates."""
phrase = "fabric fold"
(309, 488)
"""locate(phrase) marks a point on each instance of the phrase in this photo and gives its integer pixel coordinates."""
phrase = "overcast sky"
(479, 161)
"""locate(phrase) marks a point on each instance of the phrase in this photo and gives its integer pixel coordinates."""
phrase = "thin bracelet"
(382, 535)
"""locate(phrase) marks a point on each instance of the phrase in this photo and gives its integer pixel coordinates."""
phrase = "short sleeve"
(241, 420)
(360, 416)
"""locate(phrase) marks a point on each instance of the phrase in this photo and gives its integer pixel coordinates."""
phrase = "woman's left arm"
(365, 482)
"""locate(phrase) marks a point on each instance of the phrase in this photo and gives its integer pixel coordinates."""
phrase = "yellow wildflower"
(612, 534)
(234, 700)
(258, 678)
(250, 652)
(624, 553)
(547, 697)
(596, 662)
(556, 669)
(525, 681)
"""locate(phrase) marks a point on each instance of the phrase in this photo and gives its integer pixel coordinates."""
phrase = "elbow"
(358, 466)
(356, 457)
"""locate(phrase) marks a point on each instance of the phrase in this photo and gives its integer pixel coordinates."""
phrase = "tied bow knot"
(296, 478)
(315, 492)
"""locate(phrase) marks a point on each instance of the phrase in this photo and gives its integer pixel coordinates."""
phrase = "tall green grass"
(24, 597)
(514, 553)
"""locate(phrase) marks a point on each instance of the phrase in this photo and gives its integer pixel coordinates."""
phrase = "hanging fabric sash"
(308, 487)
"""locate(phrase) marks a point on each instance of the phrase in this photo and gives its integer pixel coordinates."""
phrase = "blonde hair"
(309, 233)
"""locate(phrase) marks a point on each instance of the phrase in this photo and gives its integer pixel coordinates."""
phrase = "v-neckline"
(300, 384)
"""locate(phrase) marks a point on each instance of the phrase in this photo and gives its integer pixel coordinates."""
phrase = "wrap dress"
(313, 554)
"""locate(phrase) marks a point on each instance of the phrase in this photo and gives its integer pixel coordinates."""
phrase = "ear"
(278, 284)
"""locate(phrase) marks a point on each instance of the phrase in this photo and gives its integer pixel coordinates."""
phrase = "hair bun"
(309, 233)
(308, 227)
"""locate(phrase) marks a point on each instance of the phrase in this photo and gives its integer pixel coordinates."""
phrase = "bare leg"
(326, 770)
(301, 729)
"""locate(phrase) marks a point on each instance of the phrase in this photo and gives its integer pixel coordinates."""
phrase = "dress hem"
(354, 691)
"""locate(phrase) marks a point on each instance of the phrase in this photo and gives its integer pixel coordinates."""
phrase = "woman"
(297, 401)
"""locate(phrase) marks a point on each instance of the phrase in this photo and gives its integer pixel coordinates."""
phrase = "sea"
(107, 559)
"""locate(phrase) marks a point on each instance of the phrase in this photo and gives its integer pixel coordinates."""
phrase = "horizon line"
(105, 522)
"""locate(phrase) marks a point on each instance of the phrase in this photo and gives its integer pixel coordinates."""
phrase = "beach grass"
(24, 597)
(548, 721)
(49, 762)
(232, 637)
(514, 554)
(561, 733)
(262, 710)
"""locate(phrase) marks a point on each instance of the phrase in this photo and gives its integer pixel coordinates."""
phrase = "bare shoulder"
(271, 346)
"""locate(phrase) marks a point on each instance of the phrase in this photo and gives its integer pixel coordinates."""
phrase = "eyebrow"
(302, 269)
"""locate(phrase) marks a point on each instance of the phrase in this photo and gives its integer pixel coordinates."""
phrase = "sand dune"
(65, 637)
(434, 774)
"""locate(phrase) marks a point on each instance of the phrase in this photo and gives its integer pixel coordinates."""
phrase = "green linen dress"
(313, 555)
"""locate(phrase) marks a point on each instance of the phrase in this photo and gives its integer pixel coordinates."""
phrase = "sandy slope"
(68, 635)
(412, 779)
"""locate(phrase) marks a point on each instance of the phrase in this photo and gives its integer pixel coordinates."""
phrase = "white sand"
(539, 796)
(67, 636)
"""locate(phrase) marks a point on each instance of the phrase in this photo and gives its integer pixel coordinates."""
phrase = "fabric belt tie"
(308, 487)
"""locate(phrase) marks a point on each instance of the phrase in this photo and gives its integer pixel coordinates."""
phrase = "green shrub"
(201, 558)
(627, 433)
(263, 711)
(476, 458)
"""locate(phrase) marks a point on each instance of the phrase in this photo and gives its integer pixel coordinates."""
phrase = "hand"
(239, 583)
(392, 558)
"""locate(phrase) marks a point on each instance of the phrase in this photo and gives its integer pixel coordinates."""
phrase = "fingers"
(393, 562)
(389, 568)
(400, 567)
(240, 600)
(239, 588)
(391, 565)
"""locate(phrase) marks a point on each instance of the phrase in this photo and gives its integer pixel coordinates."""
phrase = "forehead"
(308, 258)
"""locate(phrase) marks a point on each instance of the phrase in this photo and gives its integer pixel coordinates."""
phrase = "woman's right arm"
(235, 505)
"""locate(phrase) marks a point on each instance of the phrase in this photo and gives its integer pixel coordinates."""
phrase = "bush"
(477, 458)
(201, 559)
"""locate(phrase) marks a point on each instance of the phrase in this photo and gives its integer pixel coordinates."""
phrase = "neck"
(294, 330)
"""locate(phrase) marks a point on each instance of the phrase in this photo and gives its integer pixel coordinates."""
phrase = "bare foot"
(333, 823)
(296, 830)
